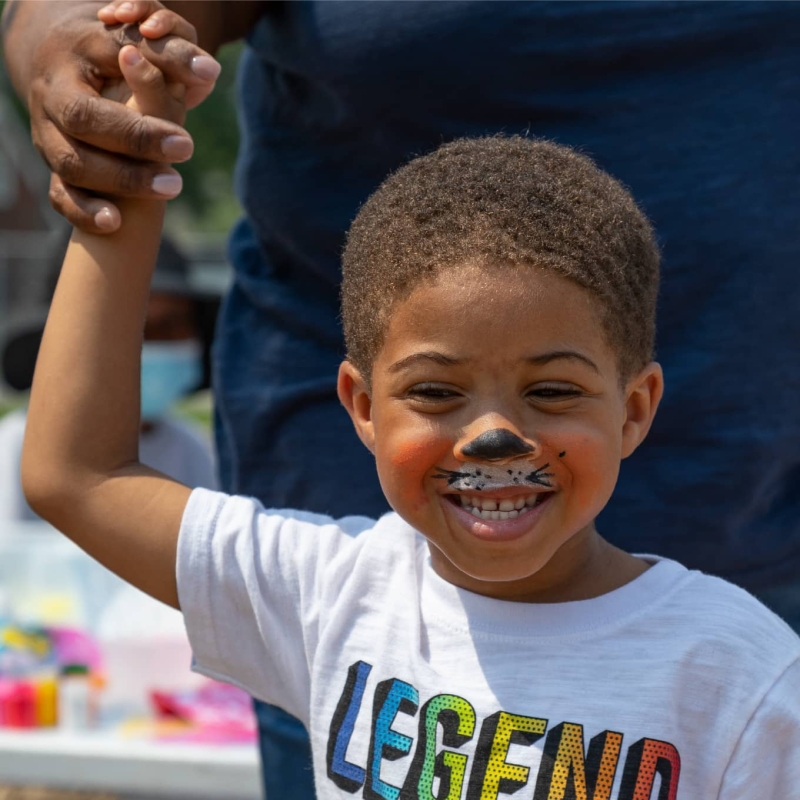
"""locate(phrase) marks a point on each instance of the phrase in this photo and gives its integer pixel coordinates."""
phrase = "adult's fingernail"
(177, 148)
(126, 7)
(168, 184)
(104, 220)
(206, 68)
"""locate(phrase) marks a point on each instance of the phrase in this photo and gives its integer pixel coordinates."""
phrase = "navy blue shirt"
(695, 106)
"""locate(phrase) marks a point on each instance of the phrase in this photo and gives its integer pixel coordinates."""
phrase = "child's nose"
(497, 444)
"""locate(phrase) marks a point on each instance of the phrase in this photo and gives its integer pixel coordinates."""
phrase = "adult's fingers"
(108, 125)
(165, 22)
(180, 60)
(128, 10)
(153, 19)
(107, 174)
(206, 69)
(83, 210)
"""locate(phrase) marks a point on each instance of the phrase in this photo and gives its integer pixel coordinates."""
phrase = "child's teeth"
(484, 508)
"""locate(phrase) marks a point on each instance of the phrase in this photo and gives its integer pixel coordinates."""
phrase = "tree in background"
(207, 198)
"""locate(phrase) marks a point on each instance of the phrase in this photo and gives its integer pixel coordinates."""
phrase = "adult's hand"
(59, 56)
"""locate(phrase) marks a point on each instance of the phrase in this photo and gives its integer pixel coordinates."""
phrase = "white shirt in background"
(172, 446)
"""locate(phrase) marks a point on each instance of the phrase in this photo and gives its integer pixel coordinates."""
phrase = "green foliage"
(207, 197)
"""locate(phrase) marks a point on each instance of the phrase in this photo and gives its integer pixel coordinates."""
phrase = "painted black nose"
(496, 445)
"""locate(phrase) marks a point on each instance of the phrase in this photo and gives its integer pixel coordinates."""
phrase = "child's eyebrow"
(427, 355)
(449, 361)
(555, 355)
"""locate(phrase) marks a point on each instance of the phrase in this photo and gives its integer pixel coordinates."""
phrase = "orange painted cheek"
(589, 468)
(416, 453)
(410, 461)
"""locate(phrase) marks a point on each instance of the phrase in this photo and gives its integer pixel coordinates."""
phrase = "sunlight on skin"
(487, 341)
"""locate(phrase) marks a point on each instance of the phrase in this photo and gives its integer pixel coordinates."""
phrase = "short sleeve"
(250, 584)
(766, 761)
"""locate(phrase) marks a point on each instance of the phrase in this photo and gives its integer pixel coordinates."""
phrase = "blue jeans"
(285, 754)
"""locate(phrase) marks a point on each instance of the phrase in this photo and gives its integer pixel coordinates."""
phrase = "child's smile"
(498, 422)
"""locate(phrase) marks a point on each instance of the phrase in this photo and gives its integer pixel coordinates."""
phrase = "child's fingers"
(151, 95)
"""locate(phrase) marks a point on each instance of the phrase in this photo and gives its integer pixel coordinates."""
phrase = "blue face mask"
(169, 371)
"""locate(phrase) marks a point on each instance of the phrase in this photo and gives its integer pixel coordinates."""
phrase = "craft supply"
(75, 698)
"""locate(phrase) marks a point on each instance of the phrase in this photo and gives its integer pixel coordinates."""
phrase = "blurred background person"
(172, 368)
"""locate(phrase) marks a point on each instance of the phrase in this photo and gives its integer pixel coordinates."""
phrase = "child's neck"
(585, 567)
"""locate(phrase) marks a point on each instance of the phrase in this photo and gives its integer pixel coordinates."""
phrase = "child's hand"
(144, 89)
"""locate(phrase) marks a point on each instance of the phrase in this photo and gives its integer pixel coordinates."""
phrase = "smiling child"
(499, 310)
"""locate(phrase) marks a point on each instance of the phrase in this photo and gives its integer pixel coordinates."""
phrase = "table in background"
(127, 768)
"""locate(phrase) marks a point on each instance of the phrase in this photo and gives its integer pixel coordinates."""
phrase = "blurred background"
(96, 695)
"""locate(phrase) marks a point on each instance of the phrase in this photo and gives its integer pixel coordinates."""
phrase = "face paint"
(497, 445)
(473, 478)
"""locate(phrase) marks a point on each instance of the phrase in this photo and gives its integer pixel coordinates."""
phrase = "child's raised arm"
(80, 467)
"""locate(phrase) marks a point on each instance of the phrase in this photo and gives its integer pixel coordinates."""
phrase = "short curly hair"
(502, 201)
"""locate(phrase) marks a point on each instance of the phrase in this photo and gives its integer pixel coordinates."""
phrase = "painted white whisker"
(474, 478)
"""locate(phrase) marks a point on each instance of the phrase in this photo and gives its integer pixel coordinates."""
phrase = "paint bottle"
(20, 705)
(6, 690)
(46, 701)
(75, 698)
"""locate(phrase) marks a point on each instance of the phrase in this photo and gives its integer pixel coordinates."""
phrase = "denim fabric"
(285, 754)
(785, 602)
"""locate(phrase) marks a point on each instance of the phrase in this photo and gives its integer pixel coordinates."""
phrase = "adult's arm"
(58, 54)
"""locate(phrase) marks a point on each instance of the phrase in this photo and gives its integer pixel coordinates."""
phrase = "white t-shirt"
(170, 446)
(675, 686)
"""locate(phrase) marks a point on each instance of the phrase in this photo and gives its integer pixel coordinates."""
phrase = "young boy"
(498, 305)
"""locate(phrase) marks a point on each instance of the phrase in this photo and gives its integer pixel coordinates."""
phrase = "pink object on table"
(72, 646)
(17, 704)
(6, 691)
(216, 713)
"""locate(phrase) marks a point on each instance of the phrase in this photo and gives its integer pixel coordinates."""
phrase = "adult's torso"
(694, 106)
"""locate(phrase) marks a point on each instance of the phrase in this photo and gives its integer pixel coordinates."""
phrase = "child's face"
(498, 422)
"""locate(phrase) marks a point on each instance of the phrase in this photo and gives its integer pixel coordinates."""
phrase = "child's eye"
(431, 392)
(555, 391)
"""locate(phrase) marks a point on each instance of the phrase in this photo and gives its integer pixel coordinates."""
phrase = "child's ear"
(354, 396)
(643, 394)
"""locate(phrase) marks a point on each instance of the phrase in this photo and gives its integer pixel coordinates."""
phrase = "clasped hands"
(108, 118)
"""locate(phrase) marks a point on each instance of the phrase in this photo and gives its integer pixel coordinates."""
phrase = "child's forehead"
(489, 311)
(515, 290)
